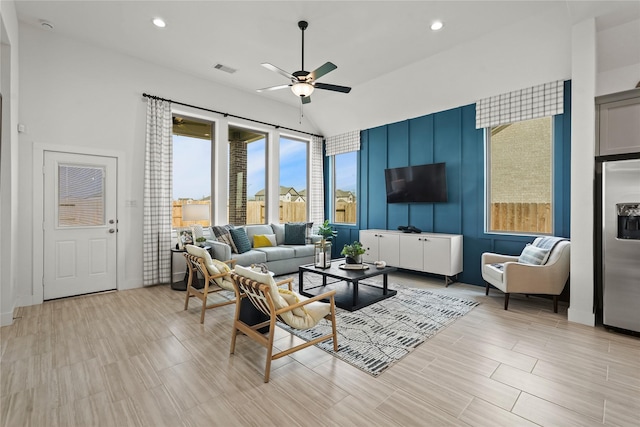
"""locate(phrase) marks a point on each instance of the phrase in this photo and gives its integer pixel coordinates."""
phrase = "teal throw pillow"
(241, 240)
(295, 233)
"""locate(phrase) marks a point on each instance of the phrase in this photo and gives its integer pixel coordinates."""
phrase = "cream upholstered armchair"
(542, 268)
(281, 305)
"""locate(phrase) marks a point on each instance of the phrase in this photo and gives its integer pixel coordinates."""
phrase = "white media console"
(435, 253)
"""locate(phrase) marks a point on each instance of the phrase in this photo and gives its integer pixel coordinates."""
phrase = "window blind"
(525, 104)
(343, 143)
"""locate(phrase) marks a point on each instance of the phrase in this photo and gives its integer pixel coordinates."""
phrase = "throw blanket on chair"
(548, 242)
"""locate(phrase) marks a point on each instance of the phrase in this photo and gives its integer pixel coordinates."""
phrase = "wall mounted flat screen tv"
(422, 183)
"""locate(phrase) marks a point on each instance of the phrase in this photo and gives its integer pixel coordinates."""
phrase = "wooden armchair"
(216, 277)
(280, 305)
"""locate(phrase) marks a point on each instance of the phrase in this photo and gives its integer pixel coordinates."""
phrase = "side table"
(182, 284)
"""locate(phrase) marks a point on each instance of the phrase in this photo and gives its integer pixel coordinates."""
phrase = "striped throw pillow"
(533, 255)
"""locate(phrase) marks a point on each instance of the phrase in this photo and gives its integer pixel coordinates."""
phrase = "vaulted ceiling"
(372, 42)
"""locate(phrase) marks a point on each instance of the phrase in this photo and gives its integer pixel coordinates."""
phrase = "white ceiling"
(365, 39)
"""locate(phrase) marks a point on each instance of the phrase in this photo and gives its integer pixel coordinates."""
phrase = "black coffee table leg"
(300, 287)
(384, 284)
(355, 292)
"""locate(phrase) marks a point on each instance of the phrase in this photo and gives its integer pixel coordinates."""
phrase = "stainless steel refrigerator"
(621, 244)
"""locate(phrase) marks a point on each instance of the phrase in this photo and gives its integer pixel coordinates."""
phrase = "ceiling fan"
(304, 82)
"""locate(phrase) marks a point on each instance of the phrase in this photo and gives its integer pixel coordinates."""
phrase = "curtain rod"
(146, 95)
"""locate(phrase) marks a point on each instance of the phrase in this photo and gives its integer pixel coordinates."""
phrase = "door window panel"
(80, 196)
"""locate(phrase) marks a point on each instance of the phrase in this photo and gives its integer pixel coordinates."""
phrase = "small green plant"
(201, 239)
(353, 250)
(326, 231)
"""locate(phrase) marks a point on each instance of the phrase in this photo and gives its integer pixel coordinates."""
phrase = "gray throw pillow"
(295, 233)
(278, 230)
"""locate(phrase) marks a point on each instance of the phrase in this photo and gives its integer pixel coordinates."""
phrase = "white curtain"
(157, 194)
(316, 190)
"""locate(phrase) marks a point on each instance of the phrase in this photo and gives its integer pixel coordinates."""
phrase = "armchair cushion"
(214, 267)
(534, 255)
(299, 318)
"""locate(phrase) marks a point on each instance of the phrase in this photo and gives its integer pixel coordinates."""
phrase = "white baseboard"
(130, 284)
(6, 319)
(584, 317)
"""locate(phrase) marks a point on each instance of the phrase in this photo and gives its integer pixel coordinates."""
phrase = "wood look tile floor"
(135, 358)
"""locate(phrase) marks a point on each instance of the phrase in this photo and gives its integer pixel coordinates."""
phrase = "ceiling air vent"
(225, 68)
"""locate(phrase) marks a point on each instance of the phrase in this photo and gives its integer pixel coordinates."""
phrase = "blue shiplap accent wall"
(451, 137)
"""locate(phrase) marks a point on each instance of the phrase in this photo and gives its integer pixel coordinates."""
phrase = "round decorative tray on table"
(353, 266)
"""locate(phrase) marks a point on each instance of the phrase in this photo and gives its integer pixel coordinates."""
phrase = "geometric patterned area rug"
(375, 337)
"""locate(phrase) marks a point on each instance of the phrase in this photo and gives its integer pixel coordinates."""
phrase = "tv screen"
(422, 183)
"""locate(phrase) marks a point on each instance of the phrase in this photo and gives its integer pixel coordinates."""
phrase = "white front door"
(80, 224)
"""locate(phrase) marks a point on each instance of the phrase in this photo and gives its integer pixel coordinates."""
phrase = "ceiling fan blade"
(335, 88)
(272, 88)
(277, 70)
(306, 99)
(322, 70)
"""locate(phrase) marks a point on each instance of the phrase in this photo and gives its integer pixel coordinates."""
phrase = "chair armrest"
(288, 281)
(533, 279)
(315, 238)
(219, 250)
(322, 296)
(231, 262)
(491, 258)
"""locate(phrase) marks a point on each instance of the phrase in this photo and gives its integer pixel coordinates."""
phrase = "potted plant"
(353, 253)
(323, 248)
(200, 241)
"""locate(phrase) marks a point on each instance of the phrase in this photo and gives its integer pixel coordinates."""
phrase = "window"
(247, 176)
(293, 180)
(345, 182)
(520, 177)
(192, 160)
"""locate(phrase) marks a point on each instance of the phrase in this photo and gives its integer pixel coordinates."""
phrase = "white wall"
(8, 161)
(84, 97)
(582, 171)
(618, 58)
(531, 52)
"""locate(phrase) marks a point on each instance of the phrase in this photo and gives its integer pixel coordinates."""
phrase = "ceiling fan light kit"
(302, 89)
(303, 83)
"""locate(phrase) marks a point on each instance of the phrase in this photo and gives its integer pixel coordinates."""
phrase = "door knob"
(111, 221)
(111, 230)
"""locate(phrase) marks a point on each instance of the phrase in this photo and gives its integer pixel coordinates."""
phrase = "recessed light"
(159, 22)
(437, 25)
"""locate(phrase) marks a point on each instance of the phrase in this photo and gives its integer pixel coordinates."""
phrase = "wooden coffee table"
(351, 293)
